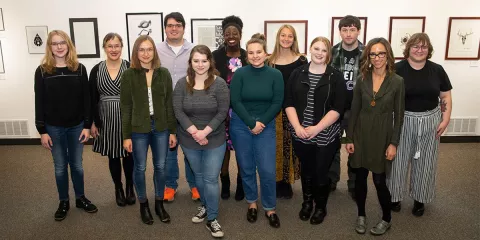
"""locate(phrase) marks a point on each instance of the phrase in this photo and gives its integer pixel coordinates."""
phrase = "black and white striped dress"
(109, 142)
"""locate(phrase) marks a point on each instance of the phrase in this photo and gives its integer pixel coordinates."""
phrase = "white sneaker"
(201, 215)
(215, 228)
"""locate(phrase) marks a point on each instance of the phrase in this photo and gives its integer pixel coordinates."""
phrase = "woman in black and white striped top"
(314, 102)
(107, 124)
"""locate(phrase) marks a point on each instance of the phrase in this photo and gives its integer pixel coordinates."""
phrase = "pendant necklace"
(372, 103)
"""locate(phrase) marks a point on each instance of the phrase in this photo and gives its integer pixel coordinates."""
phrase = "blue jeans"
(158, 142)
(172, 170)
(67, 150)
(206, 165)
(252, 152)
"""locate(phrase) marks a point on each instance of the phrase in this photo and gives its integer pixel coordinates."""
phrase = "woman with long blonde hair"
(62, 116)
(286, 57)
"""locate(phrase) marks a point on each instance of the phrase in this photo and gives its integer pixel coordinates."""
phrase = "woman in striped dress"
(107, 126)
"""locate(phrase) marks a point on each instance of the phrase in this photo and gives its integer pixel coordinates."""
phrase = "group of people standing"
(283, 115)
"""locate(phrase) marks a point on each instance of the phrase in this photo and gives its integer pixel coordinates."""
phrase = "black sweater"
(62, 98)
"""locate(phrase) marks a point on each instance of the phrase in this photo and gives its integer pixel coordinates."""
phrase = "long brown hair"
(366, 67)
(416, 39)
(276, 50)
(212, 71)
(48, 62)
(135, 62)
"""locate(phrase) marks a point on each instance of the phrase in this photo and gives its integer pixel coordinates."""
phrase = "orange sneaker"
(195, 194)
(169, 194)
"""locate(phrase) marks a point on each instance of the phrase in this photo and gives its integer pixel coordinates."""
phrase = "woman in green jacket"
(374, 128)
(147, 120)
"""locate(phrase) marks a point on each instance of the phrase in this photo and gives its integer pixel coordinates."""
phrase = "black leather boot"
(62, 210)
(160, 211)
(130, 199)
(307, 205)
(287, 190)
(225, 186)
(239, 194)
(120, 196)
(145, 213)
(321, 194)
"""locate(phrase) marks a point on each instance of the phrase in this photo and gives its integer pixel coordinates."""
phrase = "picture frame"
(36, 39)
(463, 38)
(2, 25)
(207, 31)
(271, 28)
(401, 28)
(335, 33)
(84, 35)
(2, 66)
(144, 23)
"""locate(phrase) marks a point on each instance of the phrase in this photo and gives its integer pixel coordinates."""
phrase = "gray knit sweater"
(202, 108)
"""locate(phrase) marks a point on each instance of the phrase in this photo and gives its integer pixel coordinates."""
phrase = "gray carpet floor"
(29, 199)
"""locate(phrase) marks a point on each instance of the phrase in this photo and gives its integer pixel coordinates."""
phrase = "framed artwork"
(271, 28)
(463, 38)
(144, 24)
(335, 37)
(2, 67)
(207, 31)
(2, 26)
(401, 29)
(84, 34)
(36, 39)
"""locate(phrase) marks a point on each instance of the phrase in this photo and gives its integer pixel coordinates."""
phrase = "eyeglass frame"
(375, 55)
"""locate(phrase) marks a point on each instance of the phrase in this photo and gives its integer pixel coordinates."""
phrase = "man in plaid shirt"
(346, 58)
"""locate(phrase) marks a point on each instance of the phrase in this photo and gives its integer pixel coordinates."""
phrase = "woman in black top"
(314, 103)
(62, 116)
(107, 124)
(228, 58)
(286, 57)
(426, 84)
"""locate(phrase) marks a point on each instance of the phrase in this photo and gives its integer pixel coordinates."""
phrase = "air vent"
(13, 128)
(462, 126)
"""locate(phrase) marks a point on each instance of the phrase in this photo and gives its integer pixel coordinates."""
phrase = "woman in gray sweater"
(201, 101)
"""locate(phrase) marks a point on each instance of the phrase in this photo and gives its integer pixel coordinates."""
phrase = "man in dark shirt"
(346, 58)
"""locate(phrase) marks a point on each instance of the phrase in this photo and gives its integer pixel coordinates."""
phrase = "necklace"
(372, 103)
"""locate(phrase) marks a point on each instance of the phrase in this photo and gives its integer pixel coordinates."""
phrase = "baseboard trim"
(36, 141)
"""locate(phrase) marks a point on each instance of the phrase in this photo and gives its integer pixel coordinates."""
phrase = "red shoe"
(169, 194)
(195, 194)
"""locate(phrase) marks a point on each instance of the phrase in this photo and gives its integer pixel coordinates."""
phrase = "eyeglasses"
(144, 50)
(351, 30)
(58, 44)
(174, 25)
(112, 47)
(380, 55)
(416, 48)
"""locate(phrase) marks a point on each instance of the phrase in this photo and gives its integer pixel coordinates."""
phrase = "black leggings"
(379, 179)
(116, 169)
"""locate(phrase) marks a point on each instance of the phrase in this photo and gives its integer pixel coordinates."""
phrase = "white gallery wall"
(16, 85)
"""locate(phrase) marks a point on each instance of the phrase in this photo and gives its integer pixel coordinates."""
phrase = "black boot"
(418, 208)
(239, 194)
(160, 211)
(145, 213)
(130, 199)
(287, 190)
(279, 189)
(62, 210)
(307, 205)
(120, 196)
(321, 197)
(225, 186)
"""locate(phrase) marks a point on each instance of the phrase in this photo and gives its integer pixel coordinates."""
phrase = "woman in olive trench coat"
(374, 128)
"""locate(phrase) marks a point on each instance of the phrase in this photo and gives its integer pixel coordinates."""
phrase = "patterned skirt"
(288, 164)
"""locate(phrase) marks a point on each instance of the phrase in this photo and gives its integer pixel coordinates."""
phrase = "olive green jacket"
(373, 128)
(134, 102)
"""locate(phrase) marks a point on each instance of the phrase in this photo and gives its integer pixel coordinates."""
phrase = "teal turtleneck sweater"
(256, 94)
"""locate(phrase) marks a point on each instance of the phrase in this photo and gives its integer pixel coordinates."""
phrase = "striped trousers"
(418, 148)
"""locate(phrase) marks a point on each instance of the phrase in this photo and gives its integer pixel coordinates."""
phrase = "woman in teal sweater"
(256, 97)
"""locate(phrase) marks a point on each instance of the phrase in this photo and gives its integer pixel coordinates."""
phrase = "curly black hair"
(232, 21)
